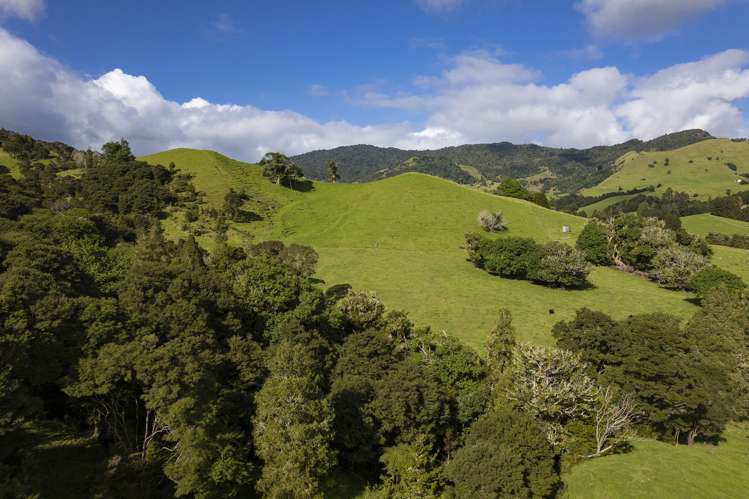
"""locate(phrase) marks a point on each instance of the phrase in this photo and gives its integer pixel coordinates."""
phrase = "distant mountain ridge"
(573, 168)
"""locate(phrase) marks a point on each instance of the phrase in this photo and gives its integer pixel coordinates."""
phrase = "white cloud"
(25, 9)
(695, 95)
(589, 52)
(43, 98)
(480, 99)
(475, 99)
(641, 19)
(439, 6)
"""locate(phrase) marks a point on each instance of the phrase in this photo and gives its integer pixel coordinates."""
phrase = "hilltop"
(402, 237)
(708, 168)
(571, 168)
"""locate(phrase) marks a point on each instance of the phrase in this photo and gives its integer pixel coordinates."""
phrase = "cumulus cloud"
(46, 99)
(480, 99)
(476, 98)
(25, 9)
(641, 19)
(439, 6)
(695, 95)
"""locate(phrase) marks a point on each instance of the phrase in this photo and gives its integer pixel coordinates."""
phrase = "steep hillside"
(403, 237)
(570, 168)
(707, 168)
(8, 162)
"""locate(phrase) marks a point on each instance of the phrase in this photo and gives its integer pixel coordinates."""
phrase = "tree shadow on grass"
(303, 185)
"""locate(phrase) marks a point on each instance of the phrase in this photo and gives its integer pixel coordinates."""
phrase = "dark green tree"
(713, 277)
(500, 344)
(117, 152)
(593, 243)
(280, 169)
(505, 455)
(292, 424)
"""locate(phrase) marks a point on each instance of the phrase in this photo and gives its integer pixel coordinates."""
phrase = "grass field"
(735, 260)
(605, 203)
(703, 176)
(10, 163)
(403, 236)
(660, 470)
(705, 223)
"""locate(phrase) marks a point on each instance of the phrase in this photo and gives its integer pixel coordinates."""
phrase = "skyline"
(440, 73)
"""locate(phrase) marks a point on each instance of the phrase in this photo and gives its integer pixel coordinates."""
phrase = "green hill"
(11, 164)
(403, 236)
(605, 203)
(658, 469)
(564, 170)
(703, 224)
(703, 168)
(735, 260)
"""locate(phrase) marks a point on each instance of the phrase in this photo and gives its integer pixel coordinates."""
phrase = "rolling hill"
(403, 236)
(570, 169)
(705, 168)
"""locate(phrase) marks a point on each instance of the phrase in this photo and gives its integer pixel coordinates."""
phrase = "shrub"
(513, 257)
(512, 188)
(491, 222)
(561, 265)
(505, 455)
(361, 309)
(674, 267)
(593, 244)
(713, 277)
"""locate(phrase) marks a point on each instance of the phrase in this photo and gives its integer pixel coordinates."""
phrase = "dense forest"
(573, 168)
(235, 373)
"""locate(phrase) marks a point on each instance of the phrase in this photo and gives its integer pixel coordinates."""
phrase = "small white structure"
(566, 229)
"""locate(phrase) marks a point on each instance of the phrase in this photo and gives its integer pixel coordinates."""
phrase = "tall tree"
(333, 175)
(117, 152)
(292, 426)
(501, 344)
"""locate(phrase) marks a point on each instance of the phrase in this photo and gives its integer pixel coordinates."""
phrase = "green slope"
(703, 176)
(7, 161)
(605, 203)
(403, 236)
(661, 470)
(734, 260)
(703, 224)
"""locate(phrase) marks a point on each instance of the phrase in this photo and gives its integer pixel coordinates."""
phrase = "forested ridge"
(237, 373)
(574, 168)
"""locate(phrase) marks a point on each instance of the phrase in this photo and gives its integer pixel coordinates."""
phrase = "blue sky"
(411, 73)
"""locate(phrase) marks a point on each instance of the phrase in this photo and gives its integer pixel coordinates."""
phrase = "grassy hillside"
(7, 161)
(735, 260)
(605, 203)
(704, 224)
(663, 471)
(691, 170)
(403, 236)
